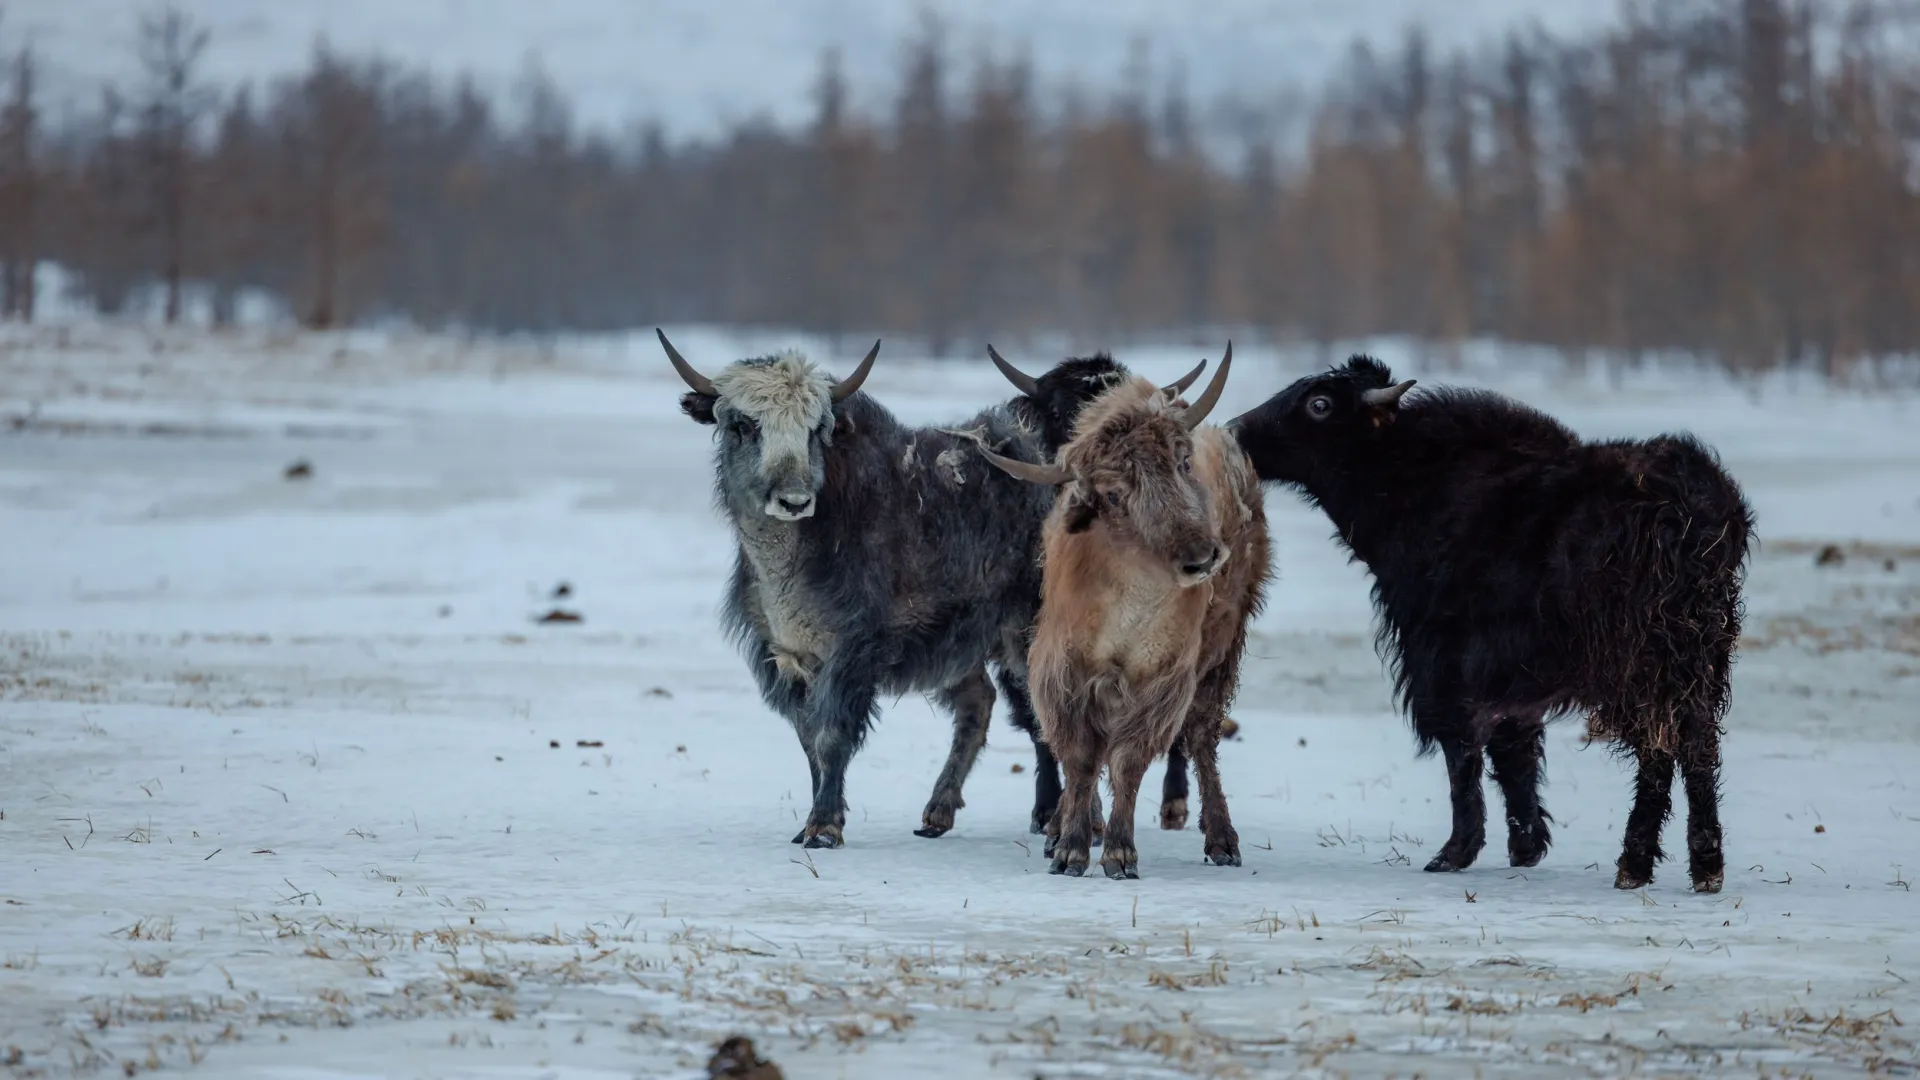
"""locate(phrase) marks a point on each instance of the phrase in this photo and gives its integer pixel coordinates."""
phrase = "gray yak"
(875, 558)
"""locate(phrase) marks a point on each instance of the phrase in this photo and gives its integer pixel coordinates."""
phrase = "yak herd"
(1095, 550)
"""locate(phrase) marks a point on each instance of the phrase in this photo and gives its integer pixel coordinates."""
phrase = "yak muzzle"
(790, 505)
(1201, 563)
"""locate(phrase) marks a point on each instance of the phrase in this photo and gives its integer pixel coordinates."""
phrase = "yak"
(1521, 574)
(1051, 404)
(874, 558)
(1154, 559)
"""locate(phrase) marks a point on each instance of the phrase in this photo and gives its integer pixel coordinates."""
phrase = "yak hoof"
(800, 837)
(825, 836)
(1708, 884)
(1632, 879)
(935, 823)
(1442, 864)
(1527, 843)
(1223, 857)
(1121, 871)
(1173, 815)
(1038, 825)
(1061, 866)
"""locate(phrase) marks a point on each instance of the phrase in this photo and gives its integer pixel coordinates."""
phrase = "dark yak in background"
(1520, 573)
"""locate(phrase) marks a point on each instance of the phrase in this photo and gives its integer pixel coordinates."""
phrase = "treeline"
(1731, 178)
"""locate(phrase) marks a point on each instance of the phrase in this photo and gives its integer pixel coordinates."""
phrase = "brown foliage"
(1700, 179)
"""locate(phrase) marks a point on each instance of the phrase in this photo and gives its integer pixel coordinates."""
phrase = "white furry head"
(782, 404)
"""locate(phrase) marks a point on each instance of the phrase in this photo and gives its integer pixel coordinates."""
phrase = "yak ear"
(698, 406)
(1080, 510)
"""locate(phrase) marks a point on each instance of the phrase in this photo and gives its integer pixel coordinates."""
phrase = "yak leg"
(1173, 788)
(789, 697)
(1465, 761)
(1080, 748)
(1070, 834)
(1652, 802)
(1202, 737)
(1126, 767)
(1216, 825)
(1515, 752)
(1046, 771)
(842, 714)
(1700, 773)
(813, 768)
(971, 702)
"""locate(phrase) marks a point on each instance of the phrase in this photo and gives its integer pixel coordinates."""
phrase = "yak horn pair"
(1387, 396)
(842, 390)
(1055, 475)
(1030, 386)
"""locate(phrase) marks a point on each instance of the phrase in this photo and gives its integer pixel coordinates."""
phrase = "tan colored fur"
(1125, 657)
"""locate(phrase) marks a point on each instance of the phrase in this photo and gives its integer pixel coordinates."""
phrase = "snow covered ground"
(295, 786)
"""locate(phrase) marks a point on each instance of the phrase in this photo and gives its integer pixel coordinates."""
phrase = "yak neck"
(1140, 617)
(1374, 494)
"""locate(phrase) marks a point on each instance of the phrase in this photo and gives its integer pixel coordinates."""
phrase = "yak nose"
(1201, 562)
(794, 504)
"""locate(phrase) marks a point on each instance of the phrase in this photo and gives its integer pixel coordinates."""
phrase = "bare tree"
(170, 46)
(19, 191)
(329, 127)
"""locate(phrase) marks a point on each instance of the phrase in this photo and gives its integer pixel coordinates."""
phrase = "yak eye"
(1112, 496)
(741, 427)
(1320, 406)
(1186, 464)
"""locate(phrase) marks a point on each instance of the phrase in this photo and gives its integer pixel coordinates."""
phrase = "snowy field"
(295, 785)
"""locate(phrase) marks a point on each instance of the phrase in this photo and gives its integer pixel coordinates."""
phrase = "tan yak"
(1154, 558)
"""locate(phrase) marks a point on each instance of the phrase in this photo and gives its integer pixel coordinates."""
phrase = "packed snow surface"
(296, 785)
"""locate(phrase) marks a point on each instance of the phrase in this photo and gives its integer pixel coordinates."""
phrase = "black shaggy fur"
(1519, 574)
(921, 563)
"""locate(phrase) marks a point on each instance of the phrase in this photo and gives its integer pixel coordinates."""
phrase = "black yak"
(1155, 558)
(1520, 573)
(874, 558)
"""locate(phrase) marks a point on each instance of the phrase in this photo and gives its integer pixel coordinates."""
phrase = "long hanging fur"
(914, 570)
(1521, 573)
(1125, 659)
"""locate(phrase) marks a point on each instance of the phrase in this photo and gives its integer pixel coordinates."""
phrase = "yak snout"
(790, 505)
(1200, 561)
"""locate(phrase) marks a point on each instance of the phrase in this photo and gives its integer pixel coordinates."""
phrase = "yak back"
(920, 551)
(1542, 572)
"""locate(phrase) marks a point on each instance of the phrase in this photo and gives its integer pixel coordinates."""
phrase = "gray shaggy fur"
(873, 559)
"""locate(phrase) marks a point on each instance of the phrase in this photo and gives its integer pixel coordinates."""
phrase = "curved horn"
(1179, 386)
(1020, 379)
(844, 389)
(700, 383)
(1198, 411)
(1051, 475)
(1388, 396)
